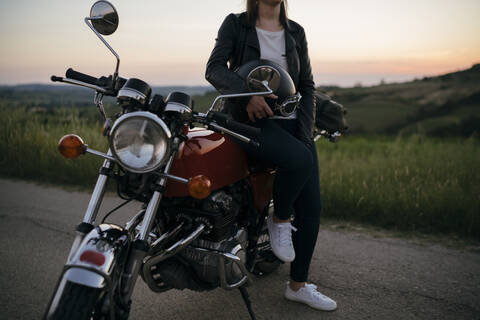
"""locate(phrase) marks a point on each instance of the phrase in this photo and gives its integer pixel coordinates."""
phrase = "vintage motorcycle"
(202, 224)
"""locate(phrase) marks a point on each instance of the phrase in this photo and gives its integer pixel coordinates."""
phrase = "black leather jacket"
(237, 43)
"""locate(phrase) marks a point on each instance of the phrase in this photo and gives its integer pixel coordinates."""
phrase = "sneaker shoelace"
(285, 234)
(314, 292)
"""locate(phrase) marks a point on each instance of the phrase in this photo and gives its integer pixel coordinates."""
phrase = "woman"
(265, 32)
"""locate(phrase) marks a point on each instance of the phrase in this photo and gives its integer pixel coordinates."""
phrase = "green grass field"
(410, 183)
(28, 147)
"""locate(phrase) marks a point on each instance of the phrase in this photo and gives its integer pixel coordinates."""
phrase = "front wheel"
(76, 303)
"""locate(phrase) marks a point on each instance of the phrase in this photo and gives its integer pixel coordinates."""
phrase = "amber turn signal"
(199, 187)
(71, 146)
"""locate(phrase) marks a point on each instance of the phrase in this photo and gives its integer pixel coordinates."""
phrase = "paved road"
(371, 278)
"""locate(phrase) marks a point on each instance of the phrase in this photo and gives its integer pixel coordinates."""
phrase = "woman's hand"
(258, 108)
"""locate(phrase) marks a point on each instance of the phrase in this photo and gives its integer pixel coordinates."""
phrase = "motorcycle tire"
(76, 303)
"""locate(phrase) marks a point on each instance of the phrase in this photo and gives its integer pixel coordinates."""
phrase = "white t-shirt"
(272, 47)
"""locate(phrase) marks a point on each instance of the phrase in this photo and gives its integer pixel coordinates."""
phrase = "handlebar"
(56, 79)
(75, 75)
(220, 122)
(104, 85)
(227, 122)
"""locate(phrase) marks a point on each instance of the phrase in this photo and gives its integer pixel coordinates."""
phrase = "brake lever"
(79, 83)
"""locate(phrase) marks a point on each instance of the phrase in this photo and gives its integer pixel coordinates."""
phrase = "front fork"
(140, 246)
(93, 206)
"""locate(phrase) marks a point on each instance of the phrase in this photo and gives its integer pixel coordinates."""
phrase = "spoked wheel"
(76, 303)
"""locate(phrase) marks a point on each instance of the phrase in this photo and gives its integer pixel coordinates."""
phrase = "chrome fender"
(95, 258)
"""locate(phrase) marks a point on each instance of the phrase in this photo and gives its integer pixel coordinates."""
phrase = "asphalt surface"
(369, 277)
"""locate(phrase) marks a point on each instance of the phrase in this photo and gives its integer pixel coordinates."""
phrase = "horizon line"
(358, 83)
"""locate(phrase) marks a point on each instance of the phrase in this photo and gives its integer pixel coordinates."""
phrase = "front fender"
(100, 250)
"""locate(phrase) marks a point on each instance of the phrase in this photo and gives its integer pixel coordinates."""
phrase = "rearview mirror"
(104, 17)
(263, 78)
(103, 20)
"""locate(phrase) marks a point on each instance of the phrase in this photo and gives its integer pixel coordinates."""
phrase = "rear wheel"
(76, 303)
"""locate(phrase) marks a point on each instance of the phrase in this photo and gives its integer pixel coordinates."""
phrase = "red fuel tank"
(211, 154)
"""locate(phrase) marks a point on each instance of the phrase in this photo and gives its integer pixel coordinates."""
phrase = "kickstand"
(246, 299)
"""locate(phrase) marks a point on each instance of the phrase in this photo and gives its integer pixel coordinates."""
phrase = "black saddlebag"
(329, 115)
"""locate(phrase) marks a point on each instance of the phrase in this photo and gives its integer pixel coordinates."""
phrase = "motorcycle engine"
(205, 265)
(197, 269)
(197, 266)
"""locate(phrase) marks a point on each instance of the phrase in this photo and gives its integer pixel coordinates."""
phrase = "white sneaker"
(281, 239)
(310, 296)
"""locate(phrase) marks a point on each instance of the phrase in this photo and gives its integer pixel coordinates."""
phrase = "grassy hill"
(442, 106)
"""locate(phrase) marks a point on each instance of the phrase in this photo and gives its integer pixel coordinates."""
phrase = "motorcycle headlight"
(140, 141)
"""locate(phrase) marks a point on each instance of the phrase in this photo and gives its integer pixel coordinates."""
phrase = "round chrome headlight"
(140, 141)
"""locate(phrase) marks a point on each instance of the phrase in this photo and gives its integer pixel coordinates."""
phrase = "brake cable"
(115, 209)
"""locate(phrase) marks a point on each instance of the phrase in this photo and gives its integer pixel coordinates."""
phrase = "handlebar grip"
(219, 117)
(55, 78)
(72, 74)
(225, 121)
(242, 128)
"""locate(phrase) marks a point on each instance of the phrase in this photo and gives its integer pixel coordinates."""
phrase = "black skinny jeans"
(296, 189)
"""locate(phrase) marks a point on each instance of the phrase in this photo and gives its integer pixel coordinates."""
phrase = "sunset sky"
(168, 42)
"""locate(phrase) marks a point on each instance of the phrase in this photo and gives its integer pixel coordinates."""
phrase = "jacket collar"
(290, 27)
(290, 42)
(252, 39)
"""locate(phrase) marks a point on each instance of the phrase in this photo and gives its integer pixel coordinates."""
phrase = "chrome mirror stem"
(239, 95)
(265, 84)
(87, 21)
